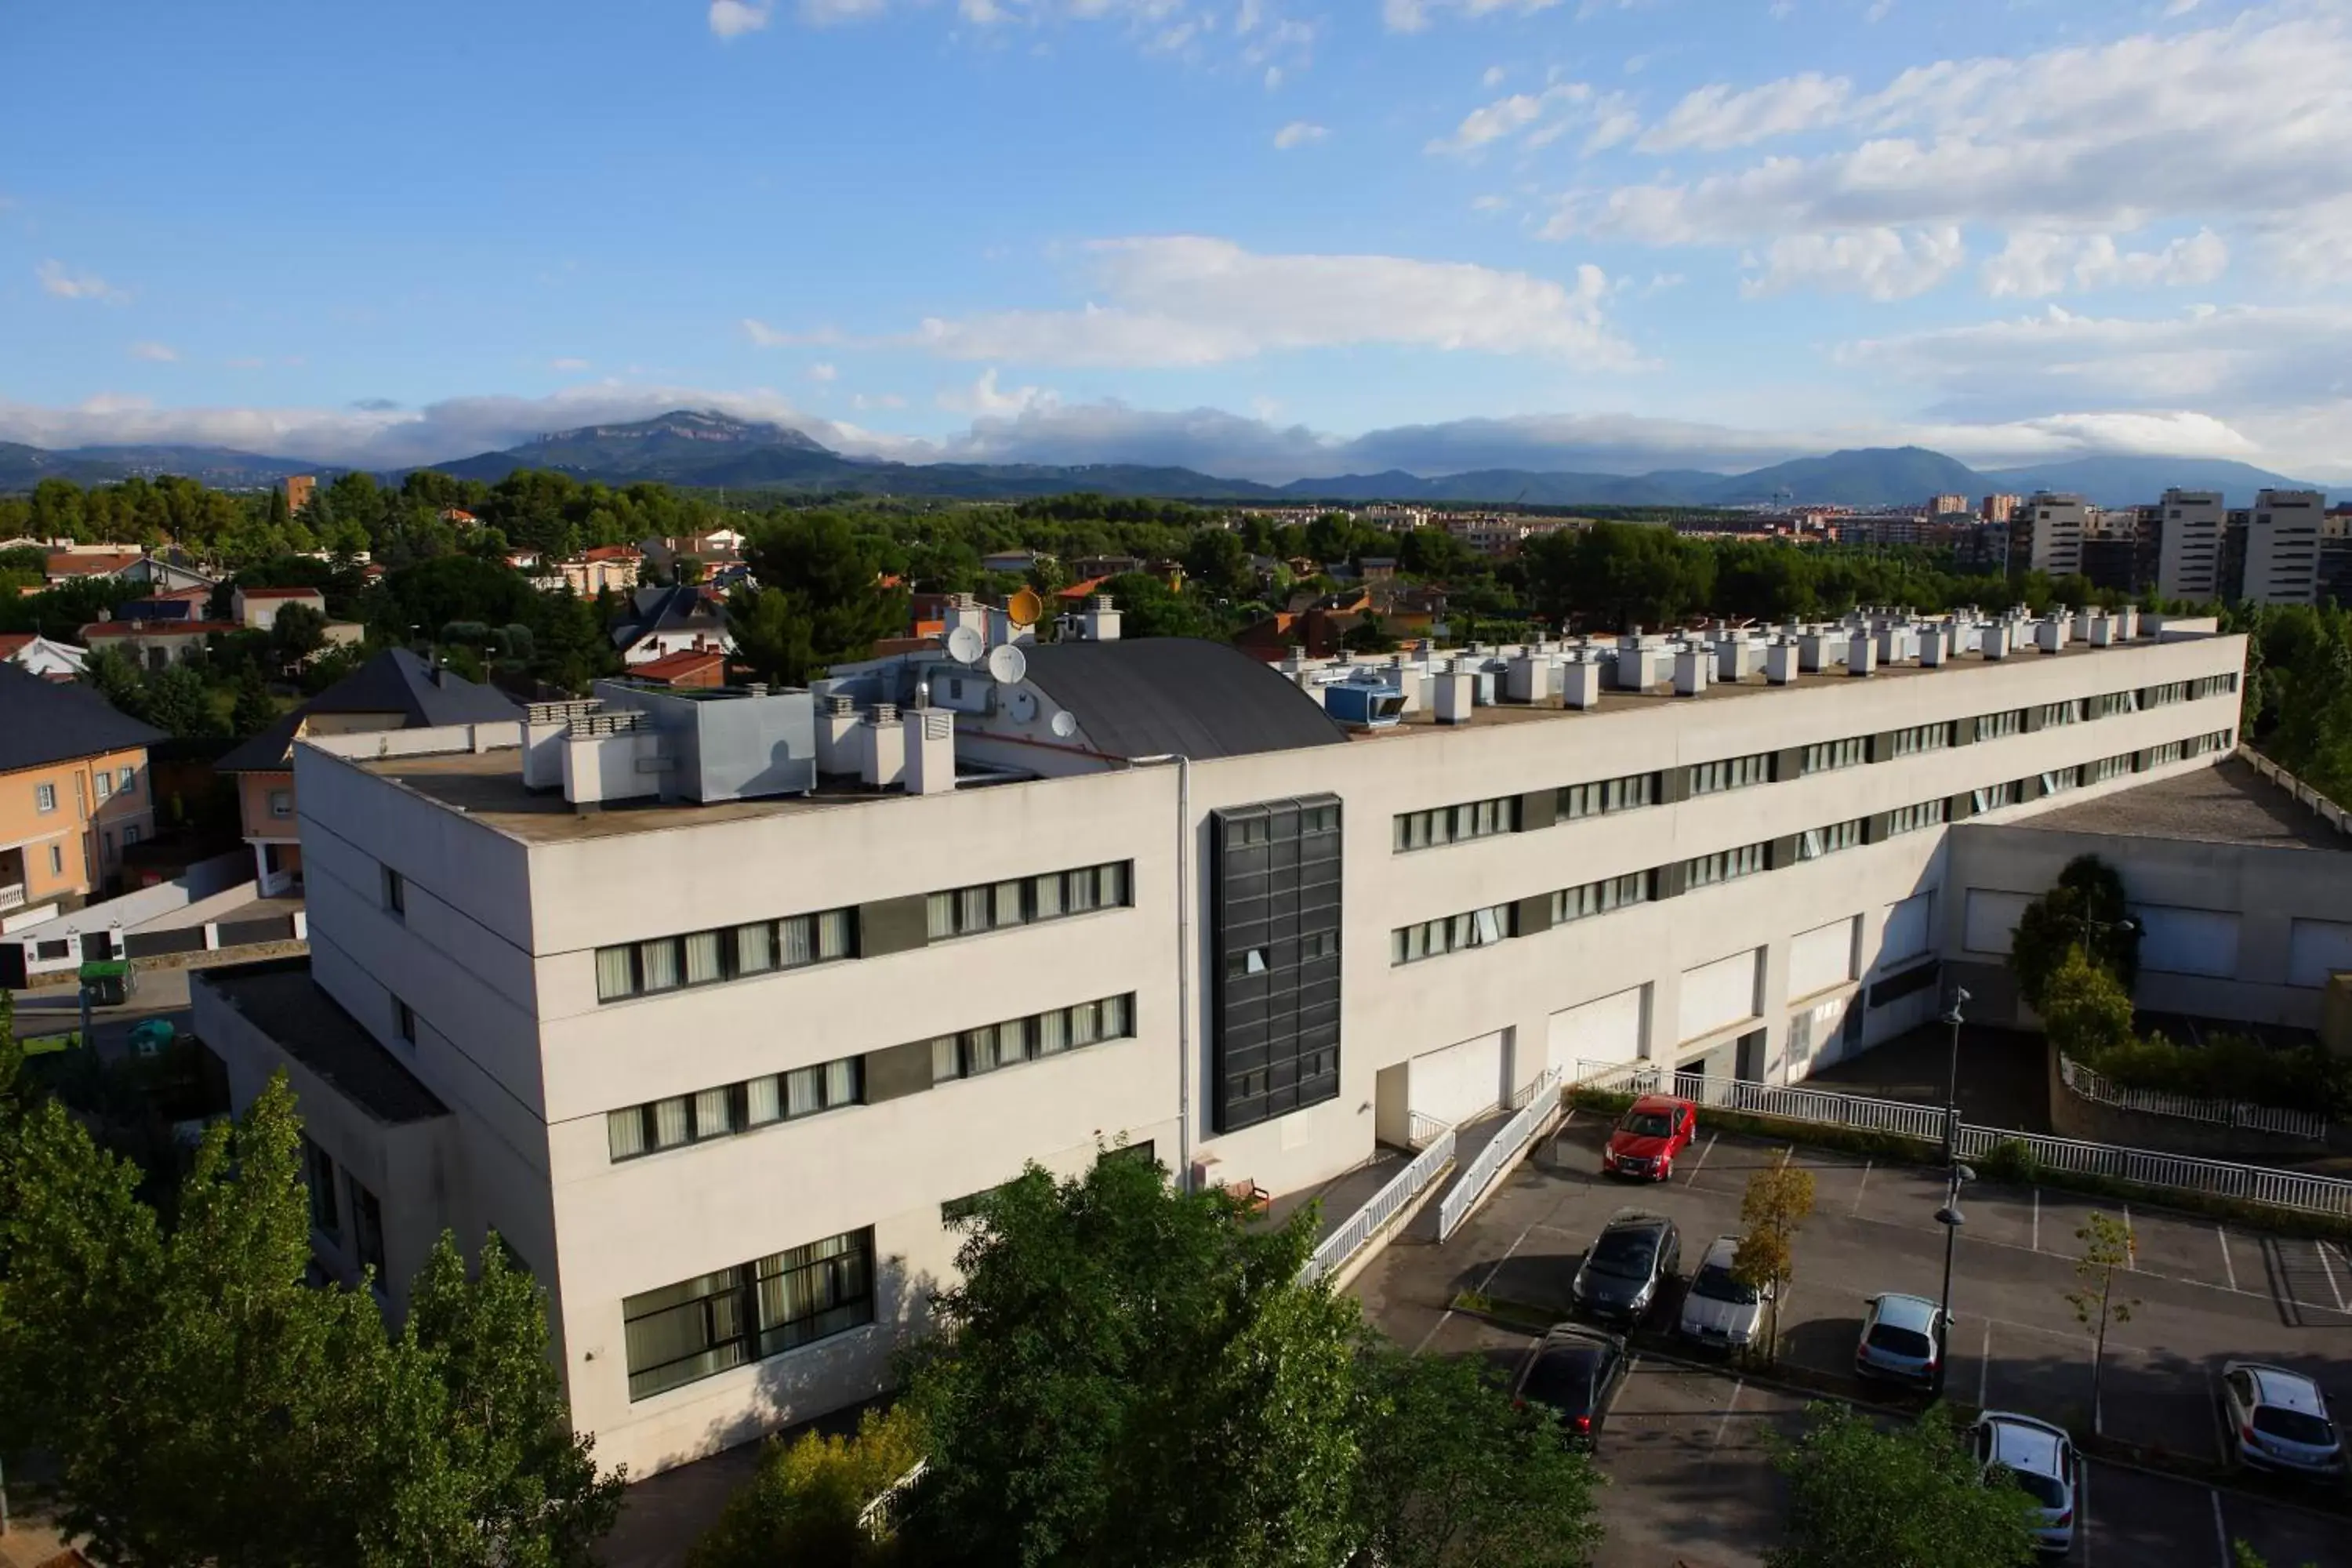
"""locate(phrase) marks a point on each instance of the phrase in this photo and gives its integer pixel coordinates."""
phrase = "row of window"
(1725, 865)
(367, 1214)
(122, 781)
(796, 941)
(993, 1045)
(1283, 824)
(1599, 897)
(1500, 814)
(1479, 928)
(703, 1326)
(1816, 842)
(733, 1108)
(1912, 818)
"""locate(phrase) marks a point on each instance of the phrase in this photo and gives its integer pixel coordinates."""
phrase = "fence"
(2328, 811)
(1367, 1222)
(2136, 1167)
(1501, 1152)
(879, 1518)
(2091, 1084)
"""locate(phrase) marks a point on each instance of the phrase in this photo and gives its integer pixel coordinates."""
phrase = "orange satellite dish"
(1025, 606)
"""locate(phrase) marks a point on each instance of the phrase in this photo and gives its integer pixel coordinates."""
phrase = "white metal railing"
(2328, 811)
(12, 895)
(880, 1517)
(2137, 1167)
(1421, 1130)
(2092, 1084)
(1501, 1152)
(1385, 1205)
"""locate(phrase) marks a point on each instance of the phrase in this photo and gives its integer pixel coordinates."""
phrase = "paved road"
(1686, 1453)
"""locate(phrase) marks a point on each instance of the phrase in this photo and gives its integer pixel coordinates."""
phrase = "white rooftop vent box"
(1579, 683)
(2050, 635)
(1781, 663)
(723, 743)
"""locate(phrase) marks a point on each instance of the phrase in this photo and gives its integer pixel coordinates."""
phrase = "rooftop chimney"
(929, 742)
(882, 756)
(1102, 619)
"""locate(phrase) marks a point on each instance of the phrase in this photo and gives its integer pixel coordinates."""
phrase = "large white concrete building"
(2188, 526)
(2283, 548)
(712, 1005)
(2046, 534)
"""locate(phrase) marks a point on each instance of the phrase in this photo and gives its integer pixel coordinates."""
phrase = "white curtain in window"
(1007, 902)
(939, 915)
(1111, 885)
(971, 910)
(702, 964)
(625, 1132)
(1047, 893)
(833, 934)
(1051, 1033)
(657, 961)
(1080, 890)
(1086, 1023)
(670, 1125)
(712, 1114)
(1115, 1024)
(804, 1089)
(616, 973)
(762, 1102)
(1811, 846)
(840, 1081)
(755, 948)
(946, 1062)
(796, 940)
(1012, 1042)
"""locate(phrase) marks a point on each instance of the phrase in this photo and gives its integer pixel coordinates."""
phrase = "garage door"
(1991, 918)
(2318, 949)
(1718, 995)
(1608, 1030)
(1461, 1082)
(2187, 941)
(1907, 927)
(1820, 958)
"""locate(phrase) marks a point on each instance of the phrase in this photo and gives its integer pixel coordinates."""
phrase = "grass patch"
(1513, 1314)
(49, 1044)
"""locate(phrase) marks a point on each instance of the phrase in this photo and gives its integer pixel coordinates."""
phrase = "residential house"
(590, 573)
(1013, 561)
(74, 790)
(173, 604)
(82, 565)
(168, 573)
(154, 644)
(259, 607)
(458, 517)
(695, 668)
(394, 691)
(34, 652)
(663, 621)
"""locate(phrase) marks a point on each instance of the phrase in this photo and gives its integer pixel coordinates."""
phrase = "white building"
(2053, 527)
(2283, 547)
(2188, 545)
(715, 1056)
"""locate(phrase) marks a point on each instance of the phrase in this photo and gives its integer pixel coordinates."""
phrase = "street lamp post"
(1952, 1084)
(1951, 1219)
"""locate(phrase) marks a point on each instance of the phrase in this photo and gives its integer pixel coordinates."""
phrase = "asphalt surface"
(1684, 1445)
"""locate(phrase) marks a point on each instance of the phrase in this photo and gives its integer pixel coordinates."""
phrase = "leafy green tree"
(2085, 1012)
(1128, 1374)
(1913, 1496)
(2109, 1245)
(253, 710)
(804, 1505)
(819, 601)
(179, 702)
(1778, 1201)
(1453, 1475)
(1368, 636)
(111, 673)
(1150, 608)
(2084, 911)
(1219, 562)
(296, 633)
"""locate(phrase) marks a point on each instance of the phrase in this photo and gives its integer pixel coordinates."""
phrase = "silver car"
(1903, 1339)
(2042, 1461)
(1717, 1310)
(2278, 1421)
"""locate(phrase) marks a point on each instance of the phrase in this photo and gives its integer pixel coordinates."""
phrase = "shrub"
(2010, 1161)
(801, 1507)
(2083, 913)
(2085, 1010)
(2231, 1066)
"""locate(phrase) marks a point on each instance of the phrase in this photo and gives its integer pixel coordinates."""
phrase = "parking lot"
(1685, 1443)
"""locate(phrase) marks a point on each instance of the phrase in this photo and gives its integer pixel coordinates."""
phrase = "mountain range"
(708, 450)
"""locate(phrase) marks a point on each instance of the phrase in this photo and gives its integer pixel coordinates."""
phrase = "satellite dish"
(1025, 606)
(1064, 724)
(964, 644)
(1022, 704)
(1008, 664)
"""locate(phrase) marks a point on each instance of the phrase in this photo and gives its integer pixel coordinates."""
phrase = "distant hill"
(710, 450)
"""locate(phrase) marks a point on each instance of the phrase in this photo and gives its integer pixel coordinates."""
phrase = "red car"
(1653, 1130)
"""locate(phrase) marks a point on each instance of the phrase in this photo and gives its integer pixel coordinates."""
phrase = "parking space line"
(1489, 1280)
(2329, 1269)
(2037, 1220)
(1984, 1365)
(2082, 1514)
(2228, 1268)
(1859, 1190)
(2131, 1243)
(1724, 1421)
(1701, 1159)
(2220, 1529)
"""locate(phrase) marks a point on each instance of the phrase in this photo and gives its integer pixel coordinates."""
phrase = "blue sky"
(1260, 236)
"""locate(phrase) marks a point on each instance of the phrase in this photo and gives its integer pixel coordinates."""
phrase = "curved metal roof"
(1181, 696)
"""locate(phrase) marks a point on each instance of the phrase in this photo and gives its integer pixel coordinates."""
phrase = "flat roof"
(279, 998)
(2228, 803)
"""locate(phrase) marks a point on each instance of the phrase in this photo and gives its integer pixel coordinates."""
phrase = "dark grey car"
(1627, 1267)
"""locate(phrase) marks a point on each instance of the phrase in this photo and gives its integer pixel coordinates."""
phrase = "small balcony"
(12, 895)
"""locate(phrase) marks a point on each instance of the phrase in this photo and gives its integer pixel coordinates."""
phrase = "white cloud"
(67, 284)
(2036, 263)
(1412, 15)
(984, 397)
(1544, 117)
(1191, 301)
(760, 335)
(161, 354)
(733, 18)
(1880, 263)
(863, 400)
(1716, 117)
(822, 372)
(568, 364)
(823, 12)
(1298, 134)
(1493, 79)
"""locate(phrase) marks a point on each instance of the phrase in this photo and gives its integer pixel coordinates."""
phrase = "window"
(1016, 1040)
(733, 1108)
(2056, 715)
(126, 780)
(319, 1175)
(2164, 695)
(2162, 756)
(2062, 779)
(130, 834)
(2203, 745)
(1479, 928)
(1816, 842)
(1733, 773)
(105, 781)
(706, 1325)
(2113, 704)
(281, 802)
(403, 1020)
(1993, 797)
(1723, 866)
(1605, 795)
(395, 892)
(1828, 756)
(729, 953)
(2000, 726)
(1912, 818)
(45, 797)
(1922, 738)
(1318, 944)
(1599, 897)
(1454, 824)
(1023, 901)
(367, 1227)
(2212, 686)
(57, 865)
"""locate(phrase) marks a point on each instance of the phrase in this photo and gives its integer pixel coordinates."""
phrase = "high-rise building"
(1997, 509)
(300, 488)
(1945, 505)
(2188, 544)
(2283, 548)
(2046, 534)
(2335, 556)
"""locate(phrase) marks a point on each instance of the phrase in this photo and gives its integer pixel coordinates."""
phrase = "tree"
(296, 633)
(1219, 562)
(1455, 1475)
(802, 1507)
(1128, 1374)
(819, 601)
(2086, 910)
(253, 710)
(2108, 1245)
(1150, 608)
(1914, 1497)
(2085, 1010)
(1778, 1200)
(179, 701)
(111, 672)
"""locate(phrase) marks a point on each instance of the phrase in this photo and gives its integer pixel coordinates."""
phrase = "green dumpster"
(107, 982)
